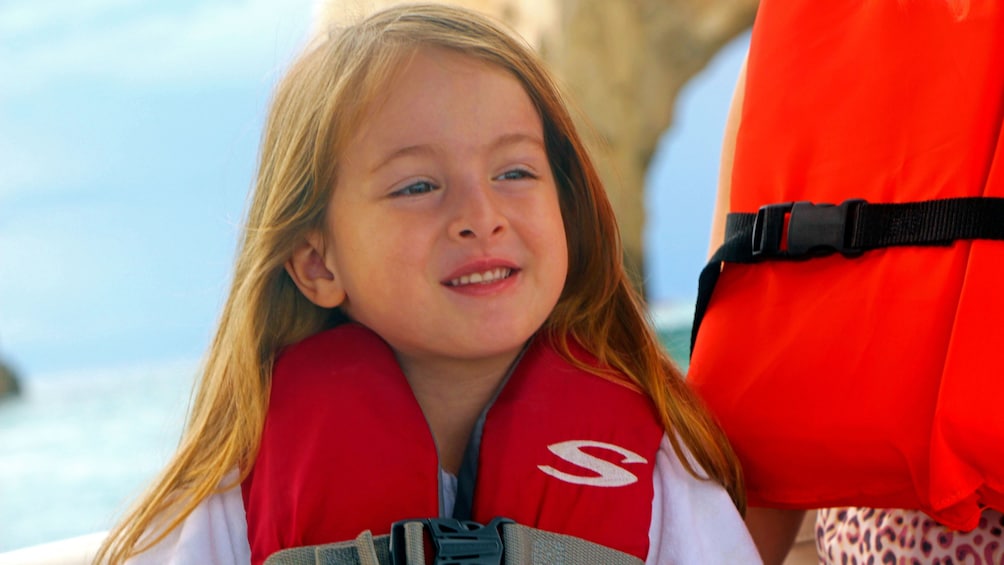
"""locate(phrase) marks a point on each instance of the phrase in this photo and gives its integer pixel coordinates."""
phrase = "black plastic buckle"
(768, 227)
(814, 230)
(454, 542)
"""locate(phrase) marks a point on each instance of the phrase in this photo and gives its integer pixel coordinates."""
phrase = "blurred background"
(128, 139)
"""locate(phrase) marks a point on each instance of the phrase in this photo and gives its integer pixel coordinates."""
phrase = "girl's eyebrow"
(514, 138)
(407, 151)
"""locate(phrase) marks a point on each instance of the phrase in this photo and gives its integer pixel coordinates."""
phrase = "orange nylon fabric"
(879, 380)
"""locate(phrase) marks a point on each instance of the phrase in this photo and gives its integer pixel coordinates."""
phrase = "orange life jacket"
(874, 380)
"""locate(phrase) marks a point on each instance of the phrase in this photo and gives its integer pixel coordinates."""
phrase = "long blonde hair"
(315, 110)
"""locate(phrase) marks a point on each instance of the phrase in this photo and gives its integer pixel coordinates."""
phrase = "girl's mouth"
(484, 277)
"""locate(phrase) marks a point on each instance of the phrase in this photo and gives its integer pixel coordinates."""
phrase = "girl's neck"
(452, 396)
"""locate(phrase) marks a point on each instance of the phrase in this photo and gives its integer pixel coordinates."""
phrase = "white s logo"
(610, 475)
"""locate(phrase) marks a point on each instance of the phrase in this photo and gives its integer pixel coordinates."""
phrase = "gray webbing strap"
(364, 550)
(523, 546)
(414, 543)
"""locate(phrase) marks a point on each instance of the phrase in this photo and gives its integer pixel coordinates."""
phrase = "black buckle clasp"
(813, 229)
(454, 541)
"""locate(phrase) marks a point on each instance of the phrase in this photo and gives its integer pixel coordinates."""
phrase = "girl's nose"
(477, 213)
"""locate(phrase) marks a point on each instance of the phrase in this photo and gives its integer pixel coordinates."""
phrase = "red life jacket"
(346, 448)
(875, 380)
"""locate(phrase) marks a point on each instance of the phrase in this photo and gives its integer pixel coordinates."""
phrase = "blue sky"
(128, 136)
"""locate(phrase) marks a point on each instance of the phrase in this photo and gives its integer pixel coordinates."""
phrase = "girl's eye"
(516, 174)
(420, 187)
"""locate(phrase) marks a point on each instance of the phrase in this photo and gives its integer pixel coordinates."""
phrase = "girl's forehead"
(421, 80)
(443, 109)
(387, 72)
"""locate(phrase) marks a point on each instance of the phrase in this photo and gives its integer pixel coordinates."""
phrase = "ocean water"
(78, 447)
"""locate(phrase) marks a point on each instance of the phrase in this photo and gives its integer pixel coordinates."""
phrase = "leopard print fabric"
(869, 536)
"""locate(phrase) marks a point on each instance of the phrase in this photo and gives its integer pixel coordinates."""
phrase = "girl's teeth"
(485, 277)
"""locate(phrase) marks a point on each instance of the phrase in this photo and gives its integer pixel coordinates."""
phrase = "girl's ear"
(310, 271)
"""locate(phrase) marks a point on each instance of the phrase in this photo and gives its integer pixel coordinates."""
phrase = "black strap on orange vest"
(802, 230)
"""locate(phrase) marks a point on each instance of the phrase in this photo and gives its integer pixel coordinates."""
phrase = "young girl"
(429, 318)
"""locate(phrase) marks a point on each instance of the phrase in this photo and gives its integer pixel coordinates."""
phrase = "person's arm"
(773, 531)
(725, 166)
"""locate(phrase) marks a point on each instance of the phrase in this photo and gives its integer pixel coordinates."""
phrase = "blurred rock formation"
(9, 385)
(623, 62)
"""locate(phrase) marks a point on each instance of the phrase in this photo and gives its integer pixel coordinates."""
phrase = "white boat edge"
(79, 550)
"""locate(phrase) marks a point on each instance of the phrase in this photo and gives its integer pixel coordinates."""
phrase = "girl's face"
(444, 228)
